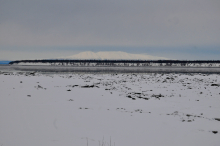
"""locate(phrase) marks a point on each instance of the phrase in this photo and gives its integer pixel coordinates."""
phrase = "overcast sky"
(180, 29)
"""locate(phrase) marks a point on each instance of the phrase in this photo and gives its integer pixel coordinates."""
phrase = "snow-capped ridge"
(113, 55)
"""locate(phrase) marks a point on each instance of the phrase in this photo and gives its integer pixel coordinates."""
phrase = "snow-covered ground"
(109, 109)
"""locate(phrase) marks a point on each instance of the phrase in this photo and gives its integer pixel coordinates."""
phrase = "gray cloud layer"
(109, 23)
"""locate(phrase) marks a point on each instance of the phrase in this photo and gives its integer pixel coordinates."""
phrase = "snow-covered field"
(109, 109)
(78, 69)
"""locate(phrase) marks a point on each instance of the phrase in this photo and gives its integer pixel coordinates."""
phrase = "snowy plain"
(99, 109)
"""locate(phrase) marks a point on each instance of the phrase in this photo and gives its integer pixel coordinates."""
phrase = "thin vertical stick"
(103, 141)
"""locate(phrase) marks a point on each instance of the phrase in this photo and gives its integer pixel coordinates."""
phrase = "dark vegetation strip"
(116, 61)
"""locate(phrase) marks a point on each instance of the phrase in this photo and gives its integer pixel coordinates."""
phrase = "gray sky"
(188, 29)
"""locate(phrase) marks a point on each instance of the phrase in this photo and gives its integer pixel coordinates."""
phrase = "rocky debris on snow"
(131, 111)
(188, 117)
(217, 119)
(32, 73)
(40, 87)
(157, 96)
(83, 108)
(89, 86)
(215, 132)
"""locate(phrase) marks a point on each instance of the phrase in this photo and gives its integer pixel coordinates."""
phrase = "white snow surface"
(109, 109)
(114, 55)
